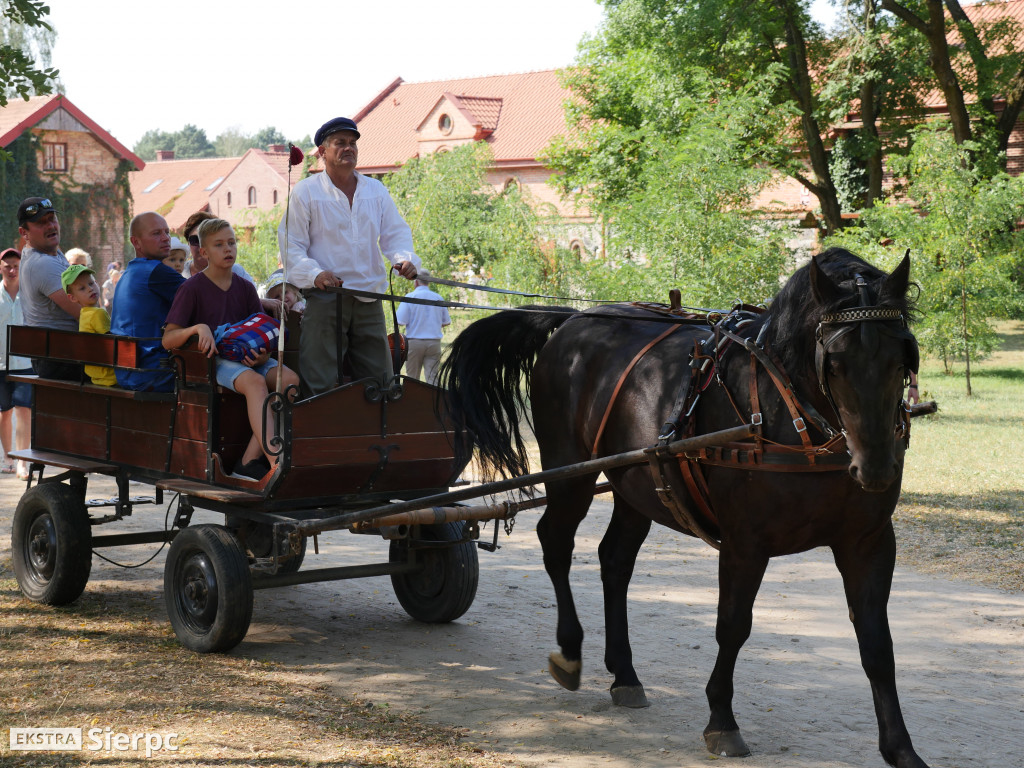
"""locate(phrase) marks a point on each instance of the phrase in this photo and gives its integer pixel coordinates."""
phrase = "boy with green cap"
(83, 290)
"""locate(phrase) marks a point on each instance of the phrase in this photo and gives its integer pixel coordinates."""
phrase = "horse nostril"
(854, 472)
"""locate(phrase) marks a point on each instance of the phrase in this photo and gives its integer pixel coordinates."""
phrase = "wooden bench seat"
(127, 394)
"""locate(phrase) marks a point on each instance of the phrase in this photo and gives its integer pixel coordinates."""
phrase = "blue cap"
(333, 126)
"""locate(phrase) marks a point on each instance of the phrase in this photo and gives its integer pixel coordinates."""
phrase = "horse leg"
(568, 503)
(739, 578)
(622, 541)
(866, 567)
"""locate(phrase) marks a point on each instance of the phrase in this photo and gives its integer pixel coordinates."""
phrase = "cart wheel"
(51, 544)
(445, 587)
(208, 589)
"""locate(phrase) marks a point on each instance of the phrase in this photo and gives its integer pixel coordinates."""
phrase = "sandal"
(22, 471)
(7, 468)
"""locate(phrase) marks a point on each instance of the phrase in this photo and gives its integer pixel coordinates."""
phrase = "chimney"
(277, 148)
(164, 154)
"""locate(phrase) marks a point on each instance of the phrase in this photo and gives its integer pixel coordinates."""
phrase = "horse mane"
(794, 314)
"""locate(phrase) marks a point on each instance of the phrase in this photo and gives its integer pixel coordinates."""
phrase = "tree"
(649, 45)
(983, 67)
(232, 142)
(189, 142)
(460, 223)
(961, 226)
(25, 42)
(677, 203)
(264, 137)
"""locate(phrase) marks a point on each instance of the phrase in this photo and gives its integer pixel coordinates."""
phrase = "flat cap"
(333, 126)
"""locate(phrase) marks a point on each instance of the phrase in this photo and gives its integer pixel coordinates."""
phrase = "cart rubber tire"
(208, 589)
(444, 588)
(51, 544)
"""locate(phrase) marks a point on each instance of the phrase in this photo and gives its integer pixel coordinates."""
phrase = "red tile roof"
(184, 186)
(523, 111)
(19, 115)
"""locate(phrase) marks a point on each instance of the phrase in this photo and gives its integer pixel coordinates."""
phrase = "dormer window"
(444, 123)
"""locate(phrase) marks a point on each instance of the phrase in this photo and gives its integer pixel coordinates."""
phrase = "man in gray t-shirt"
(44, 302)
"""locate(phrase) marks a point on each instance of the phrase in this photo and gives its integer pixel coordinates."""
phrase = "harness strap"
(666, 469)
(622, 380)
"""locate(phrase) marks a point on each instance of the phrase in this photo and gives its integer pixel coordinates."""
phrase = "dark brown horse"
(838, 329)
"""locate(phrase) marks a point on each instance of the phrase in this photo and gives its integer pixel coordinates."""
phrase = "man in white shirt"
(341, 224)
(424, 326)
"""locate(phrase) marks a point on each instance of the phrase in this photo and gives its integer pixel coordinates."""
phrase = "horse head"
(864, 354)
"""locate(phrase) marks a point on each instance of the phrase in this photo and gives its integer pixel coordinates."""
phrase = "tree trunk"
(934, 30)
(800, 84)
(967, 337)
(869, 122)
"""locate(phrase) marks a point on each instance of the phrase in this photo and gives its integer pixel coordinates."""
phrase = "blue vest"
(142, 300)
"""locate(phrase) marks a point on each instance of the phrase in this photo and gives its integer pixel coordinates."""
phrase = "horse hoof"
(726, 743)
(565, 672)
(632, 696)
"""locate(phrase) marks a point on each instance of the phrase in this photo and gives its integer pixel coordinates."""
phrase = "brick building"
(517, 115)
(75, 155)
(232, 188)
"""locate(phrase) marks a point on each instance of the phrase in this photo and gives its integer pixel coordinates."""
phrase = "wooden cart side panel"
(93, 348)
(74, 436)
(330, 451)
(70, 404)
(312, 482)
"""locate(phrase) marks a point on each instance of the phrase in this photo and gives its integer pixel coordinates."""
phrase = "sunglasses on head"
(193, 240)
(42, 205)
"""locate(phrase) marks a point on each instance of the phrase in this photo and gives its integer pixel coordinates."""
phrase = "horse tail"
(481, 378)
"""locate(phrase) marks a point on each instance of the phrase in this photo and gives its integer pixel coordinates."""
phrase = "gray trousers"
(424, 354)
(364, 340)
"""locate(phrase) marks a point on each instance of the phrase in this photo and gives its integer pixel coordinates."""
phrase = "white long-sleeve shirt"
(325, 232)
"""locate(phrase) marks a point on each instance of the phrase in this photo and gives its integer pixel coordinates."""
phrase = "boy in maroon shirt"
(213, 298)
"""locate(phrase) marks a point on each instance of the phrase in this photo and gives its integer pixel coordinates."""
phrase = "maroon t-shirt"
(200, 300)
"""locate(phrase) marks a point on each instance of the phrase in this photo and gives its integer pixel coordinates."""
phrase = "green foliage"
(233, 142)
(189, 142)
(961, 226)
(257, 237)
(848, 172)
(676, 190)
(20, 178)
(461, 224)
(25, 42)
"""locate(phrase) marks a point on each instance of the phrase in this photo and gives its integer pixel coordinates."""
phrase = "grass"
(962, 509)
(111, 661)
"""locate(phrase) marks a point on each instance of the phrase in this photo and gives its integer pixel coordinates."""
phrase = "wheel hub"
(197, 591)
(42, 547)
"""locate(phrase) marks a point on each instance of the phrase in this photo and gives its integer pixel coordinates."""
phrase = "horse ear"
(825, 292)
(896, 283)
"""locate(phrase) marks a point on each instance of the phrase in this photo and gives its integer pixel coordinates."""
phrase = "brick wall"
(90, 162)
(252, 171)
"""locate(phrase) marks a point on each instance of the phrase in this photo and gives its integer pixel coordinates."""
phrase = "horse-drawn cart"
(362, 458)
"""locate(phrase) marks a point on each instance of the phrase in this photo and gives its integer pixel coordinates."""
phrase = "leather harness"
(671, 471)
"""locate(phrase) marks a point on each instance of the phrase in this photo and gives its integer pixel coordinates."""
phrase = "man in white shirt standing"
(424, 326)
(341, 224)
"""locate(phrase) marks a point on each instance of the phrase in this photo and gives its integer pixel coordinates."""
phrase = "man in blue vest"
(144, 295)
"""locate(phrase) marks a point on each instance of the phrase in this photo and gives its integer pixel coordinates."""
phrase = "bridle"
(848, 320)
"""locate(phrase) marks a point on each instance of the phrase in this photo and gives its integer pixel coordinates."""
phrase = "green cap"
(69, 275)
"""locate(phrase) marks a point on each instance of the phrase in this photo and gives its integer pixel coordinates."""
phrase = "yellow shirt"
(96, 320)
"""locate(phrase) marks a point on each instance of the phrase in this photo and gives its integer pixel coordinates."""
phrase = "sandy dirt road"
(802, 699)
